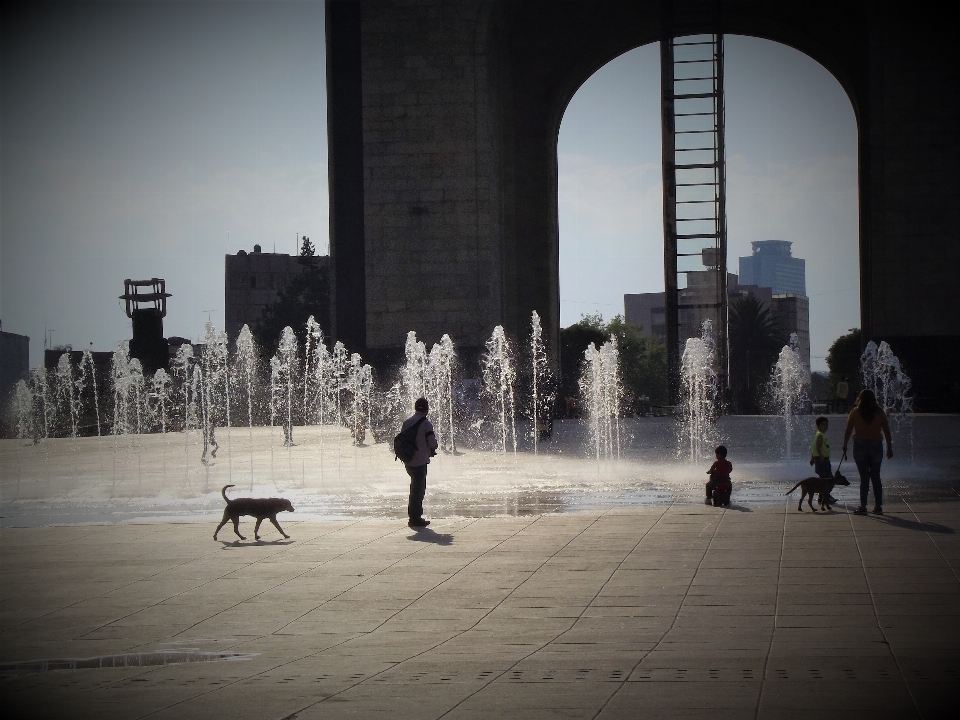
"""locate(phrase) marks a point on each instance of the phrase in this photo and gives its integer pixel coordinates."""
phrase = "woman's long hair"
(867, 405)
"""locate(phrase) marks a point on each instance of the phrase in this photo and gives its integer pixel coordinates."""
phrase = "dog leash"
(842, 458)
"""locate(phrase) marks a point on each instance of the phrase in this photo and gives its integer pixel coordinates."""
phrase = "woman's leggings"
(868, 454)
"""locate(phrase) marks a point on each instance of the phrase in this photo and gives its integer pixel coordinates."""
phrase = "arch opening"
(791, 145)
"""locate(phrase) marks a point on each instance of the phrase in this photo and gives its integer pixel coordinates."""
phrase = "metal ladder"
(694, 196)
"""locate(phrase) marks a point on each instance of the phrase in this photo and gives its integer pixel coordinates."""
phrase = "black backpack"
(405, 443)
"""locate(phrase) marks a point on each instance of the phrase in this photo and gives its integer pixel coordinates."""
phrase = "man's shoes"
(878, 510)
(419, 522)
(860, 511)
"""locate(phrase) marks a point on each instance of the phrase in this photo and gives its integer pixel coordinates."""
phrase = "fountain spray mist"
(601, 392)
(789, 384)
(499, 377)
(67, 392)
(246, 371)
(438, 379)
(23, 414)
(541, 386)
(160, 386)
(40, 390)
(184, 370)
(883, 374)
(338, 375)
(698, 404)
(413, 375)
(89, 371)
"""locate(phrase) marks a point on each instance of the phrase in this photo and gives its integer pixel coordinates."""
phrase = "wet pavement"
(160, 478)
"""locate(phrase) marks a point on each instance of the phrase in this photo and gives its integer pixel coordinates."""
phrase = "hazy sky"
(148, 139)
(791, 175)
(135, 137)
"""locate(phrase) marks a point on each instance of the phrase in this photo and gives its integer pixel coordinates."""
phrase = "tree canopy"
(308, 293)
(643, 360)
(843, 359)
(756, 339)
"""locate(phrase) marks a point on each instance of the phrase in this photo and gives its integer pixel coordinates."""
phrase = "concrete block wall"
(431, 197)
(252, 282)
(453, 226)
(914, 252)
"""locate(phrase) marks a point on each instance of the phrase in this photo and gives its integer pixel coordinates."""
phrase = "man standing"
(843, 391)
(417, 465)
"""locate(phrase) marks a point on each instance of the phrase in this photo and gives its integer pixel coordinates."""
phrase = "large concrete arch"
(443, 122)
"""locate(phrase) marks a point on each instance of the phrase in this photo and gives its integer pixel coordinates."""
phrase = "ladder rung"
(697, 219)
(695, 165)
(689, 96)
(702, 42)
(697, 235)
(692, 114)
(691, 202)
(712, 147)
(687, 62)
(696, 184)
(708, 77)
(693, 132)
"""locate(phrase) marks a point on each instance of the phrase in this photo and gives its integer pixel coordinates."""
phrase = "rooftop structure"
(147, 309)
(772, 265)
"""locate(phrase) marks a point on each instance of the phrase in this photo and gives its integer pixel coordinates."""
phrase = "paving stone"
(552, 622)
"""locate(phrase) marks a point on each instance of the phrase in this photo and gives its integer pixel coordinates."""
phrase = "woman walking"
(866, 422)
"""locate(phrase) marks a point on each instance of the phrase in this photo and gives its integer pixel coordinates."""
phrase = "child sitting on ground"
(719, 486)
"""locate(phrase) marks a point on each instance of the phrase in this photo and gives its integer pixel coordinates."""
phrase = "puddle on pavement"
(122, 660)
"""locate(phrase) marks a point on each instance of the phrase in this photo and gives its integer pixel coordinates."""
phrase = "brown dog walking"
(260, 508)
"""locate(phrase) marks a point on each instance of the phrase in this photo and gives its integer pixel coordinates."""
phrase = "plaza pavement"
(676, 610)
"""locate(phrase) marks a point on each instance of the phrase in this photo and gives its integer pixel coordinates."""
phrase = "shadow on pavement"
(429, 536)
(913, 524)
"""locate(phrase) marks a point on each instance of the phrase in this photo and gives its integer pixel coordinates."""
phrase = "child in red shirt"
(719, 486)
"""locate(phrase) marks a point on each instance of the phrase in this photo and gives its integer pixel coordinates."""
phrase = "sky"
(791, 140)
(146, 140)
(149, 139)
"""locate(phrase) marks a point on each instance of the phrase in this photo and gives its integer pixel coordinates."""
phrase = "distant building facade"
(772, 265)
(790, 310)
(14, 362)
(793, 313)
(252, 281)
(701, 290)
(648, 310)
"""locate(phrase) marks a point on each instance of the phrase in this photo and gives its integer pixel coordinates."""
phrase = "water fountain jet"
(700, 387)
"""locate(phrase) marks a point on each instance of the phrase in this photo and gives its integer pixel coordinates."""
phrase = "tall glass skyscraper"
(772, 265)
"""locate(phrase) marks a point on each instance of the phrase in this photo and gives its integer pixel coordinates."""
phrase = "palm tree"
(756, 338)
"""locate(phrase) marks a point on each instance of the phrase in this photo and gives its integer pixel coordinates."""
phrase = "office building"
(252, 281)
(772, 265)
(14, 362)
(648, 311)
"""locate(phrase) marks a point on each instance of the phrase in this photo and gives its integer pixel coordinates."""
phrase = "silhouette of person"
(417, 465)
